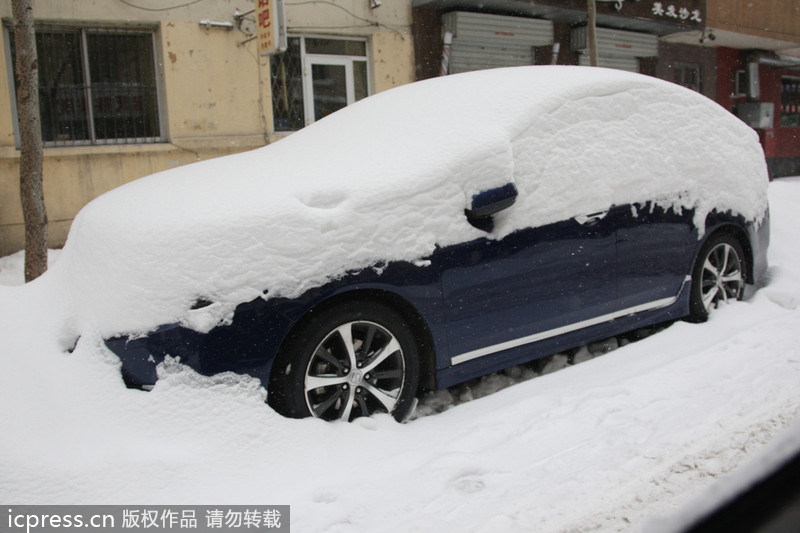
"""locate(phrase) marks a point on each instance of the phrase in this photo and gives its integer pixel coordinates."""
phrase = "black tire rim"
(722, 276)
(357, 370)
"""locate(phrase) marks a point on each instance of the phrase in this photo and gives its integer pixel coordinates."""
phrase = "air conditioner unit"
(757, 115)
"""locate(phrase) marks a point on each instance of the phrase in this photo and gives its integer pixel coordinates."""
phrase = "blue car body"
(484, 305)
(441, 231)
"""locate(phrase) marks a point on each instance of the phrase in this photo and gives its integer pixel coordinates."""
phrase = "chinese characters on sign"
(271, 30)
(663, 9)
(686, 13)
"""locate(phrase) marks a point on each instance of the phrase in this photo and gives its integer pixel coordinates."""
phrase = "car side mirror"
(488, 203)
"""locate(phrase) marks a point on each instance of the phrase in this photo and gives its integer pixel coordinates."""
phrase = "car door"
(654, 253)
(535, 283)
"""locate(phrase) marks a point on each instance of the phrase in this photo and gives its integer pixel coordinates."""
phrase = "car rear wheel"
(718, 276)
(352, 360)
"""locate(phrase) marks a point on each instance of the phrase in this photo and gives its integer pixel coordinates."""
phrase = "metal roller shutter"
(483, 41)
(630, 64)
(615, 48)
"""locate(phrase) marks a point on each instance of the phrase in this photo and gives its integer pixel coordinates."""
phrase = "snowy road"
(609, 444)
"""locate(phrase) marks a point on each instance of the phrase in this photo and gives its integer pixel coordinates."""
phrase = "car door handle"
(592, 218)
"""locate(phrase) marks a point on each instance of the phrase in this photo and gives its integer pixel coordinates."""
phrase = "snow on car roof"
(388, 178)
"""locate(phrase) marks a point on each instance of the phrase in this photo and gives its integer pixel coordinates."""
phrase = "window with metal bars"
(790, 102)
(287, 88)
(316, 76)
(97, 86)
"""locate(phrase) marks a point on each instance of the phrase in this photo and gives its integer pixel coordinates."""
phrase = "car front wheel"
(351, 360)
(718, 276)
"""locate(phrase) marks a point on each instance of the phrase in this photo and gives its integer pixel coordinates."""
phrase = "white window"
(315, 77)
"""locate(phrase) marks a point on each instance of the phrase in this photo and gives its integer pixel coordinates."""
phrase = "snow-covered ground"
(615, 443)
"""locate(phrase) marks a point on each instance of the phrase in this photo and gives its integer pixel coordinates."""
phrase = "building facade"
(131, 87)
(743, 54)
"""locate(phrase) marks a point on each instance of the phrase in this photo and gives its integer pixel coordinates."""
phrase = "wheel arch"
(422, 333)
(740, 234)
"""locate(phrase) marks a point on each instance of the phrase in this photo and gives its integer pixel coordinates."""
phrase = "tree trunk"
(30, 134)
(591, 31)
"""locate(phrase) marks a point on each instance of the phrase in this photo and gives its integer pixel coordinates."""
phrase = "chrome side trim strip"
(482, 352)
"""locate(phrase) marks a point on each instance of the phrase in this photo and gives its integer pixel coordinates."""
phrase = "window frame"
(682, 68)
(784, 120)
(739, 85)
(309, 58)
(152, 32)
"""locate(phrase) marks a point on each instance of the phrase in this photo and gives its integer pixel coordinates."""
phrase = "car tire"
(719, 274)
(351, 360)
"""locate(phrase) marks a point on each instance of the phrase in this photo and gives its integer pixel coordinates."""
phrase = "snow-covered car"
(428, 235)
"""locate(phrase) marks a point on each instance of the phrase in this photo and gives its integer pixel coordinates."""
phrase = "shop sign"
(670, 10)
(679, 12)
(271, 27)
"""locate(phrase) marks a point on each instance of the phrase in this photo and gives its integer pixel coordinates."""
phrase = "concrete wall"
(216, 93)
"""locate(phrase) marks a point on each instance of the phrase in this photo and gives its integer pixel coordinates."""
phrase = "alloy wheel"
(358, 369)
(722, 276)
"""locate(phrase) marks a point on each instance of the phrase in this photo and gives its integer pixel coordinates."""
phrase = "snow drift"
(388, 178)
